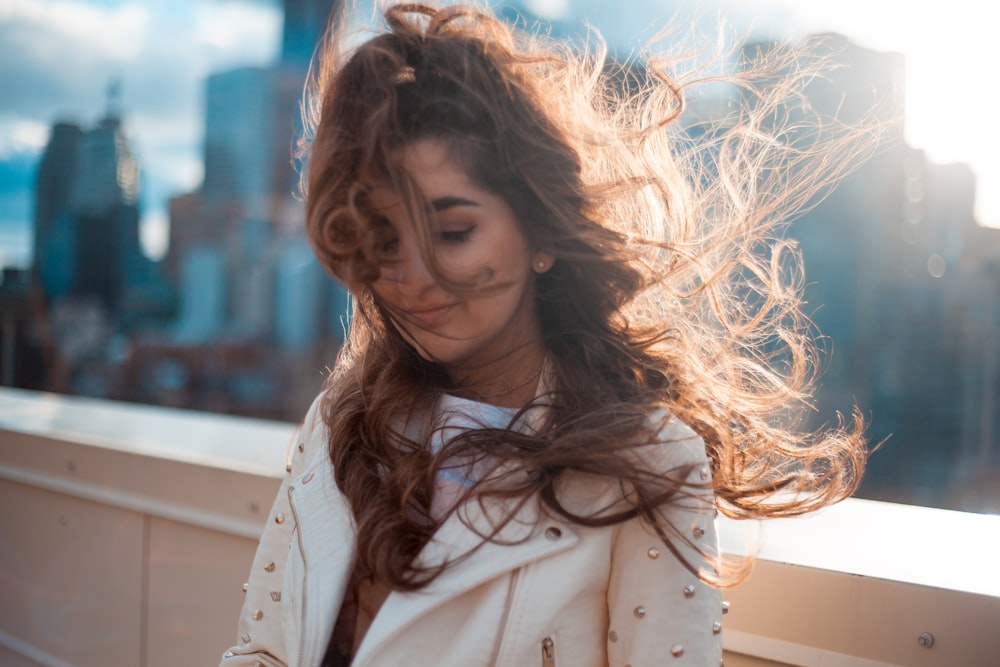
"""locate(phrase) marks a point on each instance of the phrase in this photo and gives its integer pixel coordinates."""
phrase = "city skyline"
(161, 54)
(240, 319)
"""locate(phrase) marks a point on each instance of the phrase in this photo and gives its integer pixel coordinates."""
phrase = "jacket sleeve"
(660, 613)
(261, 634)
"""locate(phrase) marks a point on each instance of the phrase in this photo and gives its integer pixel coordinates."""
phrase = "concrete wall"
(126, 533)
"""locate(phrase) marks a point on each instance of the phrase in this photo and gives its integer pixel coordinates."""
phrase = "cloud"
(68, 51)
(61, 55)
(21, 136)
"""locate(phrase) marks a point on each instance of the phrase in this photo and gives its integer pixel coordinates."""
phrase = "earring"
(540, 264)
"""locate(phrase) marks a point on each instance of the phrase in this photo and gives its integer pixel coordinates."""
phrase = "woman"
(571, 341)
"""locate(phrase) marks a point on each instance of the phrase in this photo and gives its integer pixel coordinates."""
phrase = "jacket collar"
(526, 538)
(327, 540)
(327, 537)
(325, 531)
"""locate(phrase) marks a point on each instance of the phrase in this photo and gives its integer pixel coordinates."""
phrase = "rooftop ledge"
(863, 583)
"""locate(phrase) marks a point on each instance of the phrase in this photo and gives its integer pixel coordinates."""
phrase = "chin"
(434, 354)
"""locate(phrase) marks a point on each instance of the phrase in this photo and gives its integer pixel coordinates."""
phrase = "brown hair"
(670, 288)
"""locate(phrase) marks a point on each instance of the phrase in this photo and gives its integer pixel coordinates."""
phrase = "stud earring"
(541, 265)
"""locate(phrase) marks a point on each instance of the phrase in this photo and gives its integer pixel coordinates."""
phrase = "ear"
(542, 262)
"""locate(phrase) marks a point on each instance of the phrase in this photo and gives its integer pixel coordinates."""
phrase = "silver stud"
(612, 636)
(228, 654)
(677, 650)
(703, 472)
(725, 607)
(276, 596)
(269, 566)
(302, 446)
(689, 591)
(279, 518)
(257, 615)
(640, 612)
(653, 553)
(246, 586)
(245, 638)
(308, 477)
(553, 533)
(698, 531)
(716, 628)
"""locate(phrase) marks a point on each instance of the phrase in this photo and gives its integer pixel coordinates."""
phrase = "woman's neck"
(511, 382)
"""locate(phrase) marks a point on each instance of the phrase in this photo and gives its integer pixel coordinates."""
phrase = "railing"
(127, 531)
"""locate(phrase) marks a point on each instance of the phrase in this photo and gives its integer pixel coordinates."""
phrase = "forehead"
(426, 153)
(428, 166)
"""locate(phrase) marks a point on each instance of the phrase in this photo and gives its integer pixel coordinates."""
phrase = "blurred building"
(86, 242)
(304, 24)
(247, 278)
(104, 207)
(53, 224)
(902, 282)
(91, 285)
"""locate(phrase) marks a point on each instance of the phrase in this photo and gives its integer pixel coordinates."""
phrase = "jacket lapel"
(522, 540)
(326, 539)
(330, 559)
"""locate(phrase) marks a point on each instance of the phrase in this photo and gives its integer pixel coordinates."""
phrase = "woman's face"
(477, 240)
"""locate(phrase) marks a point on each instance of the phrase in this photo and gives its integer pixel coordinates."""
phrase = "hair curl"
(672, 285)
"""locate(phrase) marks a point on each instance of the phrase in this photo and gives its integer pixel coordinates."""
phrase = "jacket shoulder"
(310, 437)
(674, 444)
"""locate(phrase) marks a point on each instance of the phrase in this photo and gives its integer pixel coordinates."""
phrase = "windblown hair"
(671, 286)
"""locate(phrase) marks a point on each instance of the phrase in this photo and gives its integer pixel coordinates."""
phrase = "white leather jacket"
(561, 594)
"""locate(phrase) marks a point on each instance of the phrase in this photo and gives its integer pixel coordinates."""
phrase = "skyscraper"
(53, 229)
(238, 252)
(305, 21)
(87, 212)
(104, 204)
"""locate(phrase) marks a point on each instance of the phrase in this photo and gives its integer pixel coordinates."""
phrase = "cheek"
(379, 293)
(510, 258)
(386, 285)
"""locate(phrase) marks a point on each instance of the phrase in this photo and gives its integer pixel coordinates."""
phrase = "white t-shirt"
(453, 416)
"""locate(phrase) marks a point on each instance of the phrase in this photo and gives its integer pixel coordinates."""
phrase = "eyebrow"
(444, 203)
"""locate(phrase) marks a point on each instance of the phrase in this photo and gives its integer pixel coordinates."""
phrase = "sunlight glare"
(950, 95)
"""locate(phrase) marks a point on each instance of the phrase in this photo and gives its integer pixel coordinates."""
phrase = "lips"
(430, 315)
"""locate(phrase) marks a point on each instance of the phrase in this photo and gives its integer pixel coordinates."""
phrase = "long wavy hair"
(671, 288)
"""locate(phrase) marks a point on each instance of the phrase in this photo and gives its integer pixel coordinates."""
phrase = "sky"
(58, 57)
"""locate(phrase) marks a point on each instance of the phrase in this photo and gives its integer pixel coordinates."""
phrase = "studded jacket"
(546, 592)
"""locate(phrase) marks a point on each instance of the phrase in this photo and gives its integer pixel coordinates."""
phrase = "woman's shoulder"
(311, 435)
(314, 415)
(674, 444)
(671, 450)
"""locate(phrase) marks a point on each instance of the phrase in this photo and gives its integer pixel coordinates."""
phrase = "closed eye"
(386, 239)
(456, 235)
(388, 248)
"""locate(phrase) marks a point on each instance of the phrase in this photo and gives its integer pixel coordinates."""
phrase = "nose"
(412, 273)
